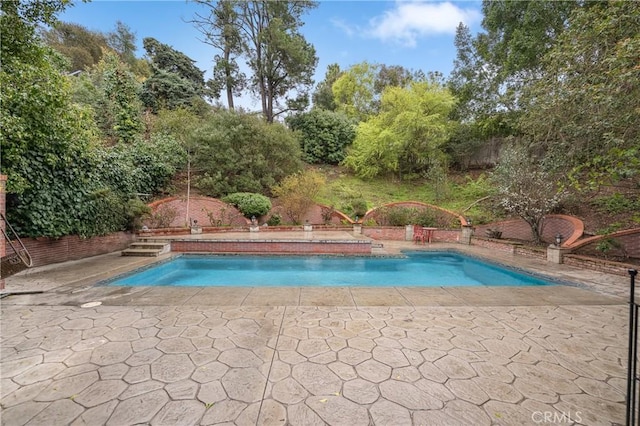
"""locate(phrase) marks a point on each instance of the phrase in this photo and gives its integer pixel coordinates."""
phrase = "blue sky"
(414, 34)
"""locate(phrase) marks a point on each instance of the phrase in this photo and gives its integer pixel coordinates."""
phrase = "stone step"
(377, 245)
(147, 245)
(147, 248)
(140, 252)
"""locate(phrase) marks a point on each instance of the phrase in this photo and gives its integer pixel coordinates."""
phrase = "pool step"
(144, 248)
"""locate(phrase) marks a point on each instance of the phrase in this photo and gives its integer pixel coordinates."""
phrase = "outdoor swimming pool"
(427, 269)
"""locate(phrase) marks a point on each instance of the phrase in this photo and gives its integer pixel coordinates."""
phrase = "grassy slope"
(457, 194)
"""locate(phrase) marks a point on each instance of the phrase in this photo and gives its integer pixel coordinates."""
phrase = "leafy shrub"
(135, 210)
(274, 220)
(296, 193)
(358, 207)
(324, 135)
(241, 153)
(401, 216)
(616, 203)
(249, 204)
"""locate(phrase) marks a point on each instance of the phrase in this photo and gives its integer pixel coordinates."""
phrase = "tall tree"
(406, 137)
(220, 29)
(83, 47)
(323, 95)
(175, 81)
(354, 91)
(281, 60)
(584, 110)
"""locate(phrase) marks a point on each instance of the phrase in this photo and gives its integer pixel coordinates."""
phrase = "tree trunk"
(229, 79)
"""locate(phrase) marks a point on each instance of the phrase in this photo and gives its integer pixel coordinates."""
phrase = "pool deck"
(305, 355)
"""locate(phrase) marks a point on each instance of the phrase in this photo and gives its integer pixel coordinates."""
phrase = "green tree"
(281, 60)
(175, 81)
(220, 29)
(323, 95)
(584, 110)
(354, 91)
(407, 136)
(241, 153)
(81, 46)
(113, 92)
(324, 135)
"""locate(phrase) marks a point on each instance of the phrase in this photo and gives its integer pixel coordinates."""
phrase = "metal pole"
(631, 361)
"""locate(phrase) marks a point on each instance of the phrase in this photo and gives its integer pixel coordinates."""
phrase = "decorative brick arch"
(444, 213)
(200, 208)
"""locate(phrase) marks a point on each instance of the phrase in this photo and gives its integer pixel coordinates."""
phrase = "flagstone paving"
(312, 365)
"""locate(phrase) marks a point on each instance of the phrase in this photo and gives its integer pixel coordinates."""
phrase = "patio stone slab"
(208, 364)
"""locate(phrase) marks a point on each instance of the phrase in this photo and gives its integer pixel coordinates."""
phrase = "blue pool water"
(432, 269)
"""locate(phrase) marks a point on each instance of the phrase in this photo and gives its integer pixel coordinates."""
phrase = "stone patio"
(310, 356)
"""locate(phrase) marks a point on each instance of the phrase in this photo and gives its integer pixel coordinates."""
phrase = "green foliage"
(584, 109)
(135, 211)
(175, 81)
(354, 92)
(241, 153)
(401, 216)
(220, 30)
(324, 135)
(323, 95)
(358, 207)
(249, 204)
(280, 58)
(297, 193)
(80, 45)
(617, 203)
(407, 136)
(274, 220)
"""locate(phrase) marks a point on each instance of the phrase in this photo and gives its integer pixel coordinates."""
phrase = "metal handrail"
(22, 253)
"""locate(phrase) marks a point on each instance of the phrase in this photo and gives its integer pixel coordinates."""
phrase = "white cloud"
(339, 23)
(409, 21)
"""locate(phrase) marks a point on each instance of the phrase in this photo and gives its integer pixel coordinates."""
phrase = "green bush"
(274, 220)
(236, 152)
(324, 135)
(249, 204)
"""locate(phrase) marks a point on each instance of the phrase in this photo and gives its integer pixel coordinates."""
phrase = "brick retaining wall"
(45, 251)
(349, 247)
(593, 263)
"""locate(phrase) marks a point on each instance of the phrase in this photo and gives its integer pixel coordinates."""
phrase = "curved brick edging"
(589, 240)
(462, 220)
(554, 224)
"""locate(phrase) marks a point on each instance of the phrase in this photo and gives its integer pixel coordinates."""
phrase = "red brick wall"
(517, 229)
(384, 232)
(45, 251)
(272, 246)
